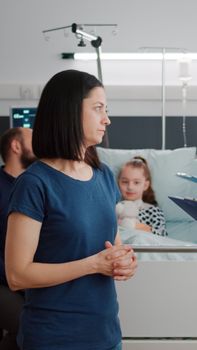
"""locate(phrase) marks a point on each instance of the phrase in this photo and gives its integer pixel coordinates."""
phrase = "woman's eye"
(98, 108)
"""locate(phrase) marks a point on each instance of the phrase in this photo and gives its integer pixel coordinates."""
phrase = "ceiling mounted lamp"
(135, 56)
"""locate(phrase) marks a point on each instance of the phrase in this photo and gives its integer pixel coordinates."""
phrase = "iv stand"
(163, 91)
(163, 51)
(163, 101)
(184, 98)
(96, 43)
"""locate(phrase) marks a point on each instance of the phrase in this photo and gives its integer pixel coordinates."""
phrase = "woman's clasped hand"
(118, 261)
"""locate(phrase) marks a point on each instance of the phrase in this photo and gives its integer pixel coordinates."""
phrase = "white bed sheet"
(183, 230)
(139, 238)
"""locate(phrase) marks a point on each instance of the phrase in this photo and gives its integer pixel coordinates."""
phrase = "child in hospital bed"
(139, 209)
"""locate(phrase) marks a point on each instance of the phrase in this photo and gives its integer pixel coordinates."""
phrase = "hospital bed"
(158, 306)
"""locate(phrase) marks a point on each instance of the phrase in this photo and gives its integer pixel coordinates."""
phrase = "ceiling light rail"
(135, 56)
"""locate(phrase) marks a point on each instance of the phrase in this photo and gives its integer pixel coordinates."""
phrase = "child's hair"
(141, 163)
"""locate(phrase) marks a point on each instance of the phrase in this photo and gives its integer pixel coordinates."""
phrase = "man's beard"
(27, 158)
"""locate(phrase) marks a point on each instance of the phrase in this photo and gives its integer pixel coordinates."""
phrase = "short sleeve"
(27, 197)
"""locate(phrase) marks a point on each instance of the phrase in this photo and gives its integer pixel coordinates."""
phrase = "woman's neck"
(78, 170)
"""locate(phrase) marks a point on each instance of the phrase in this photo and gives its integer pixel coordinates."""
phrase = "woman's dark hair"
(141, 163)
(58, 128)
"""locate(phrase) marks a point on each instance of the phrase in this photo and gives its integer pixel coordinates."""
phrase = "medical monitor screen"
(22, 116)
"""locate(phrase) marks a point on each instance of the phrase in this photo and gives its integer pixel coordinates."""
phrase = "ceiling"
(27, 55)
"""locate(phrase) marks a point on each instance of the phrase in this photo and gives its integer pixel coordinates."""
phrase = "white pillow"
(116, 158)
(164, 164)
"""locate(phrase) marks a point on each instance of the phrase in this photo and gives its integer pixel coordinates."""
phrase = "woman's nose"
(106, 119)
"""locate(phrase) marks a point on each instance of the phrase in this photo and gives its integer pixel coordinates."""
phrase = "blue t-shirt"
(77, 218)
(6, 186)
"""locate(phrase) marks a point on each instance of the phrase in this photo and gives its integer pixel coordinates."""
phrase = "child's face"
(132, 183)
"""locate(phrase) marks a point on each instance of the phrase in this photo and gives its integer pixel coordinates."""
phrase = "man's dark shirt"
(6, 185)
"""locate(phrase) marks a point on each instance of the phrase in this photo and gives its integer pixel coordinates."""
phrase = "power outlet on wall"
(28, 92)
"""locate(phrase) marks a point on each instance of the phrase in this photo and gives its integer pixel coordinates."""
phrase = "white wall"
(133, 88)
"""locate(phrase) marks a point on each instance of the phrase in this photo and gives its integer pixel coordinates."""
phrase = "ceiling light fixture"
(128, 56)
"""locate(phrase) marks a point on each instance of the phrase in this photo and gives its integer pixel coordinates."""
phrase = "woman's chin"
(98, 141)
(94, 143)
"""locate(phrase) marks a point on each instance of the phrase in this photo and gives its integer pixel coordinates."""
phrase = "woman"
(62, 245)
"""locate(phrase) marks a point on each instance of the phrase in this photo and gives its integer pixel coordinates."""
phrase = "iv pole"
(163, 51)
(163, 82)
(184, 77)
(163, 101)
(96, 43)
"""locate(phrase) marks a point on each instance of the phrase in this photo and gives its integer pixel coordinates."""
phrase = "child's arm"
(143, 227)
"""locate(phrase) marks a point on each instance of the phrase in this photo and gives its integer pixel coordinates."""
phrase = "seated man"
(17, 155)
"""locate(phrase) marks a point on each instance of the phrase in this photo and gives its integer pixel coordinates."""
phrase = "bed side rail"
(164, 249)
